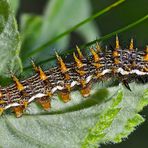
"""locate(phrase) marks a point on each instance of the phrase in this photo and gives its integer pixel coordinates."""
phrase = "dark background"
(121, 16)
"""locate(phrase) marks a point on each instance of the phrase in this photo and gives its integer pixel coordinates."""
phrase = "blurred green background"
(54, 19)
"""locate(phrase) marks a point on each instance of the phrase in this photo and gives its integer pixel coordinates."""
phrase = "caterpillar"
(124, 65)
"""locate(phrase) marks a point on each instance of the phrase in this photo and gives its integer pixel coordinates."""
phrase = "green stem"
(97, 40)
(71, 29)
(117, 31)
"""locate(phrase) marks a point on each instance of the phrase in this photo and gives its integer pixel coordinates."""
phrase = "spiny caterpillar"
(124, 65)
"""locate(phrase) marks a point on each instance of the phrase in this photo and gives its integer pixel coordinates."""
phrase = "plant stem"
(71, 29)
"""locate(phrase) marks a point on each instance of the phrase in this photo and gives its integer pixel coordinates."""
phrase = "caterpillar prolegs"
(125, 65)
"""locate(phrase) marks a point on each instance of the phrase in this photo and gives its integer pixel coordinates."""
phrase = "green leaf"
(9, 42)
(108, 115)
(14, 4)
(118, 121)
(78, 10)
(30, 31)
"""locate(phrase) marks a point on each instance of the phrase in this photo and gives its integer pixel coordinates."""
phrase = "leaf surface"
(108, 115)
(9, 42)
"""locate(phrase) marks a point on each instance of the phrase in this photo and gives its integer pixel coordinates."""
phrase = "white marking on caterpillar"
(60, 87)
(106, 71)
(73, 83)
(136, 71)
(11, 105)
(54, 89)
(89, 78)
(39, 95)
(122, 71)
